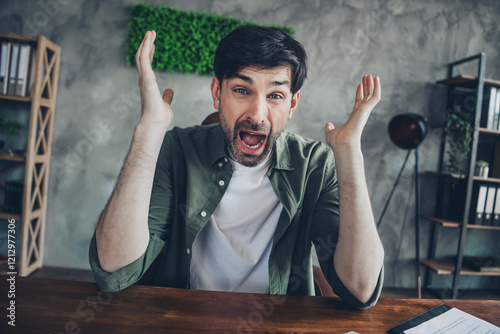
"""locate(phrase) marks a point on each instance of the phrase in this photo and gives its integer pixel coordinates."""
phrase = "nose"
(257, 110)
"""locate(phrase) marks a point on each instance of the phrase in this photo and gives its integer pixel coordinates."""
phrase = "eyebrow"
(274, 83)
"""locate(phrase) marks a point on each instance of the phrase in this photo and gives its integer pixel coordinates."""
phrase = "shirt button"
(225, 159)
(203, 214)
(188, 251)
(220, 164)
(221, 183)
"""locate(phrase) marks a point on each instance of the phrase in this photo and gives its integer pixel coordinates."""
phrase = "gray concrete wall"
(407, 43)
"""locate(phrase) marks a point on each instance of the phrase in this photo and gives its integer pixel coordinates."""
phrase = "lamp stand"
(392, 190)
(417, 215)
(417, 225)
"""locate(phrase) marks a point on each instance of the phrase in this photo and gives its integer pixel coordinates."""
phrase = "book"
(14, 58)
(496, 109)
(480, 204)
(445, 319)
(496, 209)
(488, 112)
(4, 66)
(497, 106)
(495, 168)
(488, 208)
(491, 109)
(32, 73)
(22, 77)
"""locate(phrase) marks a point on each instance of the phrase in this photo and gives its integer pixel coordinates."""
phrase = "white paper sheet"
(455, 321)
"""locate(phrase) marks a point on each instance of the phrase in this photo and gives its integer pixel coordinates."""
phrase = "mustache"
(248, 125)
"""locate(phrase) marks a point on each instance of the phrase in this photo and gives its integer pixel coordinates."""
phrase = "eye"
(241, 91)
(275, 96)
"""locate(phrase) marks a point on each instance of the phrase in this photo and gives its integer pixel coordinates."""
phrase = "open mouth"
(252, 140)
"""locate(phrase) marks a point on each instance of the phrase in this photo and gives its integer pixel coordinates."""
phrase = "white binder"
(481, 201)
(488, 209)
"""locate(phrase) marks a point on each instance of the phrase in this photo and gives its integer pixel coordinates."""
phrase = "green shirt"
(192, 174)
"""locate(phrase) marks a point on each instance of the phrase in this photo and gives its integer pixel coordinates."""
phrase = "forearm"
(359, 254)
(122, 233)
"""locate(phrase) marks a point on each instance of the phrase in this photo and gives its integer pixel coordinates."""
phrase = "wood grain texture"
(42, 101)
(54, 306)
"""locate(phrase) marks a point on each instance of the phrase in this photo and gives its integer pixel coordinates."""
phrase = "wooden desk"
(54, 306)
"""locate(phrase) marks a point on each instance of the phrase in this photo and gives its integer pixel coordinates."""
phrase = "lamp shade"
(408, 130)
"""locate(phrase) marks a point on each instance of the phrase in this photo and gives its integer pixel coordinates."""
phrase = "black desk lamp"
(407, 131)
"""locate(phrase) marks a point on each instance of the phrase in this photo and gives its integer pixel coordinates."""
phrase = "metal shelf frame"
(476, 83)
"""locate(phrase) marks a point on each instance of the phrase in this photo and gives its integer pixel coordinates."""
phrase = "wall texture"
(406, 42)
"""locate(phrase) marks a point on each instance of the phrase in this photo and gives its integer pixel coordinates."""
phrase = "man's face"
(254, 108)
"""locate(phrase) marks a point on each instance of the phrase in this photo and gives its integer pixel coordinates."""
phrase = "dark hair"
(267, 47)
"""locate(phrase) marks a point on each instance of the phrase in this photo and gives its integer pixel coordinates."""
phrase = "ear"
(215, 88)
(295, 103)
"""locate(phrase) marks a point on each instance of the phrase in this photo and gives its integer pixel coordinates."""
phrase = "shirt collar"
(282, 159)
(217, 147)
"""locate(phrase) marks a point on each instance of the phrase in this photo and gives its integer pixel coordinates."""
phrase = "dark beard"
(245, 159)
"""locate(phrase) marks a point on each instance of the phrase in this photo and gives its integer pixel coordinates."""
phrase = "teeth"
(253, 147)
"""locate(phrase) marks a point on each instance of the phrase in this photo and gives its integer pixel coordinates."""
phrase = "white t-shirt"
(231, 253)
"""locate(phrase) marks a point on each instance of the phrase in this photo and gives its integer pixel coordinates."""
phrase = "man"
(236, 206)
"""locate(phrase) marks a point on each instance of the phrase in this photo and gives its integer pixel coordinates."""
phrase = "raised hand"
(155, 109)
(367, 96)
(359, 255)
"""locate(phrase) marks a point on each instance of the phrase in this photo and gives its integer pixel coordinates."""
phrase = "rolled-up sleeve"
(128, 275)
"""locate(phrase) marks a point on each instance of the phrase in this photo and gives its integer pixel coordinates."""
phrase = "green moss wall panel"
(185, 40)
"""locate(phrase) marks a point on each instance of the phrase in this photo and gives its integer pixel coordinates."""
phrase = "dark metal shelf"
(452, 223)
(447, 267)
(467, 81)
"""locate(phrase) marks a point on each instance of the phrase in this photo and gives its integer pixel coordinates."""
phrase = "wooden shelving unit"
(12, 158)
(486, 179)
(455, 176)
(15, 98)
(454, 266)
(30, 245)
(447, 267)
(451, 223)
(4, 215)
(467, 81)
(489, 132)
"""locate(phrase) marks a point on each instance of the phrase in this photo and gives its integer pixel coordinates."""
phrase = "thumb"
(329, 127)
(168, 95)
